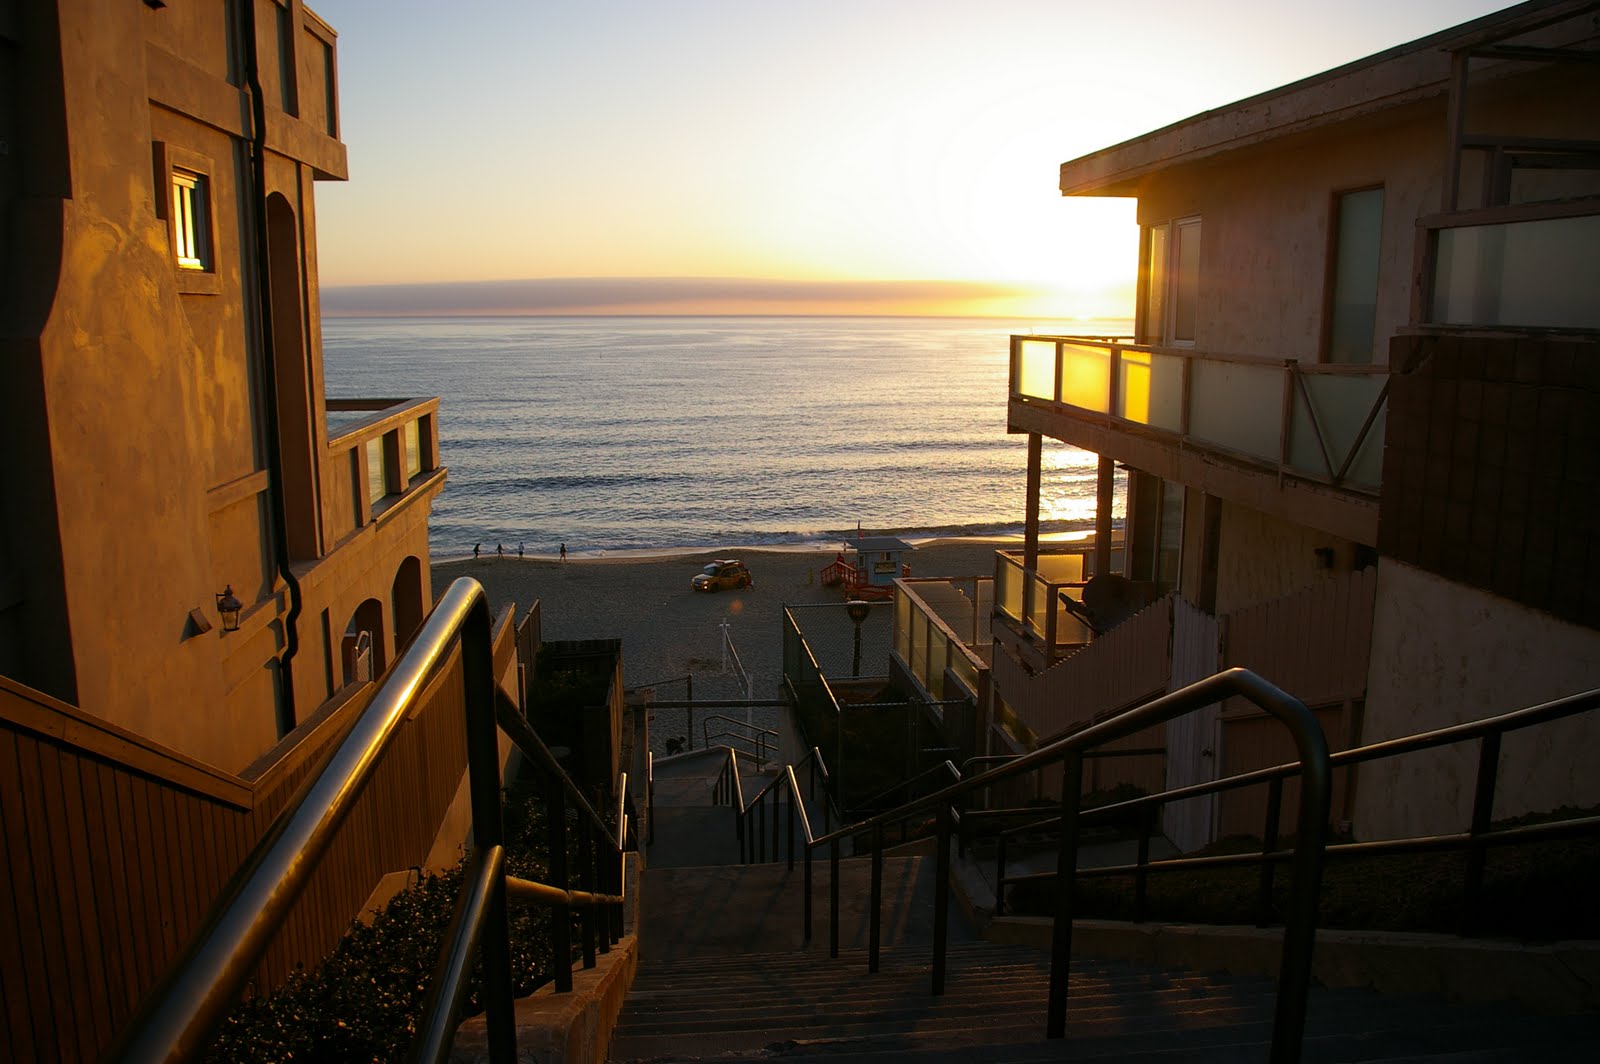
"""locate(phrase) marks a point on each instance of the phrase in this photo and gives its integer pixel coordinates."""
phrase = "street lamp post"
(858, 610)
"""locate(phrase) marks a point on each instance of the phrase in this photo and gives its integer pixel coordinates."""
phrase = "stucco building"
(171, 449)
(1358, 427)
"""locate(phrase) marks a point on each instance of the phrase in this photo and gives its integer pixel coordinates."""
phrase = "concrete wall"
(1261, 558)
(1444, 653)
(134, 400)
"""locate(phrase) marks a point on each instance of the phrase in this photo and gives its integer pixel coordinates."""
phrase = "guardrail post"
(833, 898)
(792, 799)
(1066, 877)
(1000, 875)
(1269, 843)
(876, 898)
(1141, 878)
(560, 918)
(941, 898)
(488, 829)
(807, 918)
(1482, 817)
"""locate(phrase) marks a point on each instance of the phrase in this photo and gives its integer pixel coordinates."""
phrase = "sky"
(703, 156)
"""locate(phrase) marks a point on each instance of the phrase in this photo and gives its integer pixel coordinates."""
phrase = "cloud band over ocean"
(679, 295)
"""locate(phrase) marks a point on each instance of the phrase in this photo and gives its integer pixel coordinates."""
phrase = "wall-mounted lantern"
(228, 607)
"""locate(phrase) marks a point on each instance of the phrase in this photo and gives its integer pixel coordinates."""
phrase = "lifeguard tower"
(867, 567)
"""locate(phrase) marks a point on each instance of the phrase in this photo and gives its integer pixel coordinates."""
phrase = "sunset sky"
(804, 157)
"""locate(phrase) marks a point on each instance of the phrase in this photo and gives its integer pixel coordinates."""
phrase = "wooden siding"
(116, 849)
(1315, 644)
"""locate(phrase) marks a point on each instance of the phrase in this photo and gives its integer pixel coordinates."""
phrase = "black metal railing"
(782, 803)
(1294, 977)
(1475, 841)
(763, 742)
(178, 1019)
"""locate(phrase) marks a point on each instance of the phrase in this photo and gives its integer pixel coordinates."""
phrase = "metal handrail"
(177, 1019)
(1294, 978)
(1480, 834)
(757, 739)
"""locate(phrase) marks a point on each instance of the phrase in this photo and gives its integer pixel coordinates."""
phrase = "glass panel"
(1367, 469)
(902, 627)
(1537, 274)
(1342, 403)
(1150, 389)
(1186, 282)
(964, 667)
(1156, 290)
(413, 443)
(1008, 587)
(1062, 568)
(1353, 315)
(1070, 630)
(1039, 608)
(377, 486)
(938, 655)
(1086, 377)
(1237, 406)
(919, 645)
(1036, 375)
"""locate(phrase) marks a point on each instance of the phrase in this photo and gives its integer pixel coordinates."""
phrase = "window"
(191, 220)
(1352, 314)
(1172, 282)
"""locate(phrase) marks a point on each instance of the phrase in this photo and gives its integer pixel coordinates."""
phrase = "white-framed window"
(1172, 282)
(191, 220)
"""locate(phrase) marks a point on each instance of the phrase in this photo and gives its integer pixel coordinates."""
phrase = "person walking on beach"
(476, 547)
(563, 552)
(500, 549)
(519, 548)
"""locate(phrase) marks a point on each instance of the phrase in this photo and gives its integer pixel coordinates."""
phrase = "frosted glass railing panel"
(1086, 377)
(1236, 405)
(1150, 389)
(1341, 403)
(1036, 370)
(1061, 568)
(1008, 587)
(1539, 274)
(902, 626)
(1069, 629)
(411, 433)
(1367, 470)
(919, 645)
(966, 669)
(938, 654)
(1039, 608)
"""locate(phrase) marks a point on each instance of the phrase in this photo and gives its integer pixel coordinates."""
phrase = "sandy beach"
(667, 630)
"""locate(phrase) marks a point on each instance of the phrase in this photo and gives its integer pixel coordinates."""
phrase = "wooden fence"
(116, 848)
(1315, 644)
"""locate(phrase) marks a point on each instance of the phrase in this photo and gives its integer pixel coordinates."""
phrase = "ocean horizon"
(634, 434)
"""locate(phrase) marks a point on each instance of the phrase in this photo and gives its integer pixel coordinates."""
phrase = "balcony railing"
(1528, 266)
(379, 449)
(1032, 600)
(1316, 421)
(926, 638)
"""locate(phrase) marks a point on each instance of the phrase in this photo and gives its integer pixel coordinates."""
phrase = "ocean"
(651, 434)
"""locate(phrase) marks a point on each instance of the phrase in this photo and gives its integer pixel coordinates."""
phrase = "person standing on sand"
(519, 548)
(563, 552)
(500, 549)
(476, 547)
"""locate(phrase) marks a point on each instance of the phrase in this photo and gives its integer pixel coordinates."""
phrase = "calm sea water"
(612, 434)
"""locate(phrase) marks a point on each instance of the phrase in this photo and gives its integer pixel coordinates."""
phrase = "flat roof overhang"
(1408, 74)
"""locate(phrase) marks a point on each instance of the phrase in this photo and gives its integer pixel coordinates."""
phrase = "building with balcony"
(1358, 419)
(203, 556)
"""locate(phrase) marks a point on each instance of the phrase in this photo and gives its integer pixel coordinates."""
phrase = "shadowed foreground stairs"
(725, 974)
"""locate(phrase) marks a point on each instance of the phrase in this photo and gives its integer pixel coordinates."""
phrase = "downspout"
(274, 456)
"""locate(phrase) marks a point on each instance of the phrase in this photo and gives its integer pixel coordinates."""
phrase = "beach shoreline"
(669, 631)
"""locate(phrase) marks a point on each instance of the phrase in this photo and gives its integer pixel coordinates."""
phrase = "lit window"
(190, 223)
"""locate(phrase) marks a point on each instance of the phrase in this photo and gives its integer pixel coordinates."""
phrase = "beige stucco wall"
(148, 392)
(1261, 557)
(1444, 653)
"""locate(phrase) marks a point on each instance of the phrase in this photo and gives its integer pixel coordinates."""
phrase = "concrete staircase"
(724, 973)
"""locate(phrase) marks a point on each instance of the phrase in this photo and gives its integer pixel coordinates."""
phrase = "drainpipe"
(258, 212)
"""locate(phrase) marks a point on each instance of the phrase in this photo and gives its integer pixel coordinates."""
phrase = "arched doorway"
(407, 599)
(363, 643)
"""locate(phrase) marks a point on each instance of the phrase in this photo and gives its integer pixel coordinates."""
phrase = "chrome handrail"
(178, 1018)
(1294, 978)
